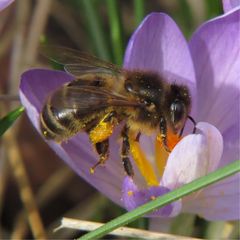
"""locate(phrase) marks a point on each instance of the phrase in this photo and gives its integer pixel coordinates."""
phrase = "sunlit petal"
(194, 156)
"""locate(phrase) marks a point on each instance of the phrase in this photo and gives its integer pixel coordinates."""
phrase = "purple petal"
(215, 50)
(132, 197)
(194, 156)
(228, 5)
(77, 152)
(37, 84)
(231, 151)
(219, 202)
(5, 3)
(159, 45)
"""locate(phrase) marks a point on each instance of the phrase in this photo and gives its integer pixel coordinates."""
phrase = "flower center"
(161, 155)
(142, 163)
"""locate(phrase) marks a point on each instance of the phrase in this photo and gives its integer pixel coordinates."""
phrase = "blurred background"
(101, 27)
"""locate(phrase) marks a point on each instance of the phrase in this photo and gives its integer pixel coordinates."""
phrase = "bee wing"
(79, 63)
(88, 98)
(78, 70)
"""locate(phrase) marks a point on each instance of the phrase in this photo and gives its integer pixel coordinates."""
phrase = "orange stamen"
(173, 139)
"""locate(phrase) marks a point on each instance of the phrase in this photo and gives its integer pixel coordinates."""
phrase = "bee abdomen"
(56, 124)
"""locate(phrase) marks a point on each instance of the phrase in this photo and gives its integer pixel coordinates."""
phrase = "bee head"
(178, 104)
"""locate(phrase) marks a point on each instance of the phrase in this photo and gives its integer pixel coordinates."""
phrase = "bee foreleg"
(125, 152)
(194, 124)
(181, 132)
(163, 133)
(102, 149)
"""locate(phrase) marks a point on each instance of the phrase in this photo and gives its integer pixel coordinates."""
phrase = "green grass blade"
(186, 17)
(95, 28)
(116, 30)
(7, 121)
(213, 8)
(139, 11)
(164, 200)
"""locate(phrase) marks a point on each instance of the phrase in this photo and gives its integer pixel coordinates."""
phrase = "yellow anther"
(152, 197)
(130, 193)
(142, 163)
(91, 170)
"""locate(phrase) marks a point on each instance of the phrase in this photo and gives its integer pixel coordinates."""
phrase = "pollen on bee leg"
(100, 162)
(101, 131)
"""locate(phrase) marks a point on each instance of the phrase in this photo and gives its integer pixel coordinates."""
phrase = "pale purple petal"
(228, 5)
(37, 84)
(77, 152)
(231, 151)
(215, 50)
(216, 202)
(194, 156)
(159, 45)
(147, 144)
(133, 197)
(5, 3)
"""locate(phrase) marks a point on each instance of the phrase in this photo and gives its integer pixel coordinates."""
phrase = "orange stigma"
(172, 139)
(160, 151)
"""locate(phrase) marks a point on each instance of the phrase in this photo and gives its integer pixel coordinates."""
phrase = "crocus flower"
(228, 5)
(209, 65)
(5, 3)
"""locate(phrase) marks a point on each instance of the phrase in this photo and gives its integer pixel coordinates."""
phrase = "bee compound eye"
(129, 87)
(177, 110)
(147, 103)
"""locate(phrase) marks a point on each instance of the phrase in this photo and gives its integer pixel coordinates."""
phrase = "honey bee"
(103, 95)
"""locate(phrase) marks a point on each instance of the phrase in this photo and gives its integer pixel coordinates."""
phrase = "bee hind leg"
(125, 152)
(102, 149)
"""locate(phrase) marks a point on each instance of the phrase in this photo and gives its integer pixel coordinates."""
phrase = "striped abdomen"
(61, 124)
(58, 125)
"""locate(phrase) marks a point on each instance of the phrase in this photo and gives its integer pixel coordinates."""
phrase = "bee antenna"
(194, 123)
